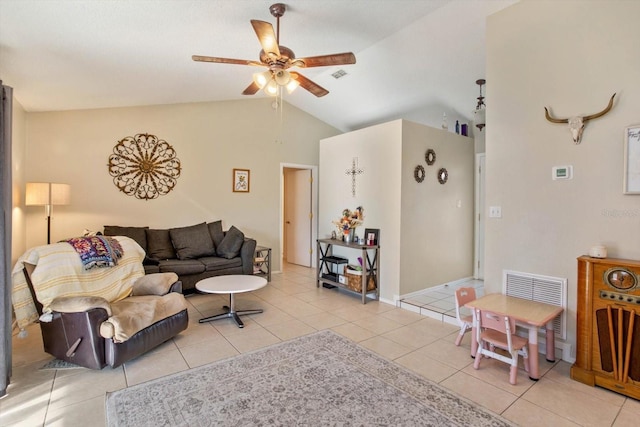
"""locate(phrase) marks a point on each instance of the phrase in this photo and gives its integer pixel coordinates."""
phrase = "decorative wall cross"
(353, 172)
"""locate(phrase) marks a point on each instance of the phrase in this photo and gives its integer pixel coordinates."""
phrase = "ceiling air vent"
(339, 73)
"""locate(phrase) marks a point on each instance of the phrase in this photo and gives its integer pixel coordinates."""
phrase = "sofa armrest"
(79, 304)
(247, 253)
(155, 284)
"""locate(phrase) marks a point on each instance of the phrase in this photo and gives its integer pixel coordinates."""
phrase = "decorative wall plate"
(430, 157)
(443, 175)
(419, 173)
(144, 166)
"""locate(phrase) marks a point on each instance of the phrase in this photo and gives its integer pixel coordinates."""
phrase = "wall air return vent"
(535, 287)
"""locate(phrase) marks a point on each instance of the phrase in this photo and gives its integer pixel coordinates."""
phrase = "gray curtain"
(6, 99)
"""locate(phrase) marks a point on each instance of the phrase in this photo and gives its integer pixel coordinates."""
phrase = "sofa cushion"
(215, 230)
(150, 269)
(159, 244)
(136, 233)
(181, 267)
(231, 244)
(213, 263)
(192, 242)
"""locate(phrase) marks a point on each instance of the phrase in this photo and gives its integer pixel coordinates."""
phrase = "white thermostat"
(562, 172)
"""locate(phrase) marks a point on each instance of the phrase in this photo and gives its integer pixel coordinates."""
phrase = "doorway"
(298, 214)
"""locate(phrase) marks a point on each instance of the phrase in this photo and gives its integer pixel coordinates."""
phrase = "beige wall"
(210, 140)
(570, 56)
(378, 149)
(426, 240)
(437, 219)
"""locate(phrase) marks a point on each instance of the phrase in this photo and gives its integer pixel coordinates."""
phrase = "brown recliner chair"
(93, 332)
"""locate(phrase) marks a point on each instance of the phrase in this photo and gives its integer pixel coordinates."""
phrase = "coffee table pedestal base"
(231, 313)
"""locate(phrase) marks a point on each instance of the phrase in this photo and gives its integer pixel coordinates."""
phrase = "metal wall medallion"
(144, 166)
(430, 157)
(443, 175)
(419, 173)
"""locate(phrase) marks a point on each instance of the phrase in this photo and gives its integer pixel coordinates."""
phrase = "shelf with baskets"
(262, 262)
(334, 271)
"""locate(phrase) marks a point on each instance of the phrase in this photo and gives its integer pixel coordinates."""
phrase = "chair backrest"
(28, 270)
(497, 322)
(463, 296)
(491, 320)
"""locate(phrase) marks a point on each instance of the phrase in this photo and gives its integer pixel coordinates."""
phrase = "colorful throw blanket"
(97, 251)
(59, 272)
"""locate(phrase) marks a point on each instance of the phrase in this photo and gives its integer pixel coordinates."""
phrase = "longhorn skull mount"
(576, 123)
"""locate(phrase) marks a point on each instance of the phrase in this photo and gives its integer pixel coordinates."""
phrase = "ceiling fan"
(278, 59)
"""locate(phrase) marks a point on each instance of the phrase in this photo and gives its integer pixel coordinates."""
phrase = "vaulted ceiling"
(414, 57)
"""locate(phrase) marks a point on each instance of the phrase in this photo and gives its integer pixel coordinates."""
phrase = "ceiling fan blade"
(252, 89)
(199, 58)
(307, 84)
(323, 60)
(267, 37)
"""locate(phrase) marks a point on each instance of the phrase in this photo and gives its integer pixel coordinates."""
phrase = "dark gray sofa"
(194, 252)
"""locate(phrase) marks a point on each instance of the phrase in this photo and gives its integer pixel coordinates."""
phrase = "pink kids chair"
(499, 331)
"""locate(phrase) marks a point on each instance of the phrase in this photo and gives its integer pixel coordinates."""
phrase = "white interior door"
(298, 218)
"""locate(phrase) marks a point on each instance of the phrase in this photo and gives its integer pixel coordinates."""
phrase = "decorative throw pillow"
(215, 229)
(192, 242)
(136, 233)
(159, 245)
(231, 244)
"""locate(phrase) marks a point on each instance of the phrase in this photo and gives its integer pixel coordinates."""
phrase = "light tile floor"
(438, 303)
(293, 306)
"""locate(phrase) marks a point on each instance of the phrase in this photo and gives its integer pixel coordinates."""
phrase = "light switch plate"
(495, 212)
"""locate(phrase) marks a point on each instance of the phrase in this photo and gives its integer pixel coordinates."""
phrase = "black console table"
(327, 261)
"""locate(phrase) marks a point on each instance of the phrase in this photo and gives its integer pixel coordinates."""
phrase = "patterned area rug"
(316, 380)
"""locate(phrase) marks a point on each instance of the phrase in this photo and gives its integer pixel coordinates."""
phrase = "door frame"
(314, 209)
(478, 270)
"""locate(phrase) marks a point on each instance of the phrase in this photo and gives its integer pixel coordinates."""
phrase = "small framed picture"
(371, 236)
(241, 180)
(632, 160)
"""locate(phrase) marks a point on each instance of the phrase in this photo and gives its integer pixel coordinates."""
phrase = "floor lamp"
(47, 194)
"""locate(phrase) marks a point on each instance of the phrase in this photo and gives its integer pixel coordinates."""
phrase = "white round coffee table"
(231, 284)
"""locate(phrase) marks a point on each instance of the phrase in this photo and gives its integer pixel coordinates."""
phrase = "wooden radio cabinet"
(608, 327)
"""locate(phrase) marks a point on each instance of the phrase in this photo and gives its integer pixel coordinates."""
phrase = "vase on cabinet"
(350, 236)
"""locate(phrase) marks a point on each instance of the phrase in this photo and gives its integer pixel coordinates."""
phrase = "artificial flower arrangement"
(350, 220)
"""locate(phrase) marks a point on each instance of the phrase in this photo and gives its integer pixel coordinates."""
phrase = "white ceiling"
(413, 56)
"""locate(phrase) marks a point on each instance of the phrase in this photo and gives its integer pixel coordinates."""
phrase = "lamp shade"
(479, 118)
(282, 77)
(47, 193)
(261, 79)
(271, 88)
(292, 85)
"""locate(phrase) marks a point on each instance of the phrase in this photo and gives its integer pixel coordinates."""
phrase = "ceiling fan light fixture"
(279, 59)
(261, 79)
(271, 88)
(292, 85)
(282, 77)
